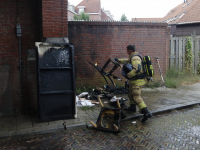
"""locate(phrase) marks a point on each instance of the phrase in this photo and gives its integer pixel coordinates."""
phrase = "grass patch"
(86, 108)
(175, 78)
(83, 89)
(153, 85)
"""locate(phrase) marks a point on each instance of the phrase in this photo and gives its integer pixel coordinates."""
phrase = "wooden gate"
(177, 52)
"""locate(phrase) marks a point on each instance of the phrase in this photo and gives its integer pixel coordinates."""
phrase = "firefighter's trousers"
(134, 96)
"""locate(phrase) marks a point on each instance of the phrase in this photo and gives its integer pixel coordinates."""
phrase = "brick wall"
(54, 25)
(11, 12)
(98, 41)
(54, 18)
(38, 19)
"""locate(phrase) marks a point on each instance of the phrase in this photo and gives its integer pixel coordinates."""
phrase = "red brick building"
(90, 7)
(184, 19)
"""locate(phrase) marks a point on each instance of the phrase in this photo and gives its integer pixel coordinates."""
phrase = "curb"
(161, 111)
(137, 116)
(89, 126)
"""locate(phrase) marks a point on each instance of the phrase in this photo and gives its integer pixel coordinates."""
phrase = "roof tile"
(185, 12)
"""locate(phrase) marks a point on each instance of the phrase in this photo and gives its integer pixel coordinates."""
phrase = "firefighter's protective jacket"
(134, 61)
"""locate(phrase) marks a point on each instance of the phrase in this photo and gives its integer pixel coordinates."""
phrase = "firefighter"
(136, 81)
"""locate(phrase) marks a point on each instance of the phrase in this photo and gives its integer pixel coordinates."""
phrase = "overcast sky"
(137, 8)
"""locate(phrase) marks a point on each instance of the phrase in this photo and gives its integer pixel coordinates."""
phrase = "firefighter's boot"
(132, 108)
(146, 113)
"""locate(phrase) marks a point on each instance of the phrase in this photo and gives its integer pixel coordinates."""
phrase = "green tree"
(83, 16)
(76, 17)
(124, 18)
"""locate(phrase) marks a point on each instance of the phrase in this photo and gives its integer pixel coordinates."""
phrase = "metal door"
(56, 81)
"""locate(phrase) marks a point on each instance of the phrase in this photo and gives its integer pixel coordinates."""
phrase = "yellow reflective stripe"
(122, 60)
(136, 62)
(133, 73)
(138, 82)
(151, 67)
(142, 105)
(147, 70)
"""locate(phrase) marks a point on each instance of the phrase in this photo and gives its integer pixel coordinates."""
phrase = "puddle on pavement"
(165, 101)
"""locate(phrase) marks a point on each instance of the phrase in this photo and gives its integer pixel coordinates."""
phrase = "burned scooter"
(108, 74)
(114, 89)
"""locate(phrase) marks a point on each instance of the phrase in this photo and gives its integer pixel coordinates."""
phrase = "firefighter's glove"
(139, 68)
(134, 72)
(116, 59)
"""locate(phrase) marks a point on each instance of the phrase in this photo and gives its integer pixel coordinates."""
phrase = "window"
(81, 10)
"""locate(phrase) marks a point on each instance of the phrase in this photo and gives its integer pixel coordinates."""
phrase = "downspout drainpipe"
(19, 34)
(20, 68)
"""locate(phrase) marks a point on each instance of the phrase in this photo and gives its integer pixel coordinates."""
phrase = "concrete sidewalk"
(158, 100)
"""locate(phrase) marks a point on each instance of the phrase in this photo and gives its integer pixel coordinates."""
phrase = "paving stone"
(47, 128)
(24, 122)
(73, 122)
(177, 130)
(58, 122)
(22, 114)
(8, 123)
(84, 117)
(157, 100)
(4, 133)
(20, 132)
(35, 123)
(93, 114)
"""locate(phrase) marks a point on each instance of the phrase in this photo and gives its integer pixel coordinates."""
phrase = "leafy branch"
(188, 56)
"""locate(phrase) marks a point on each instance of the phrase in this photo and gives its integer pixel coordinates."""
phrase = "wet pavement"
(177, 130)
(158, 101)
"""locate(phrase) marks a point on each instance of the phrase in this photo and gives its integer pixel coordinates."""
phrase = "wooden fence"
(177, 52)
